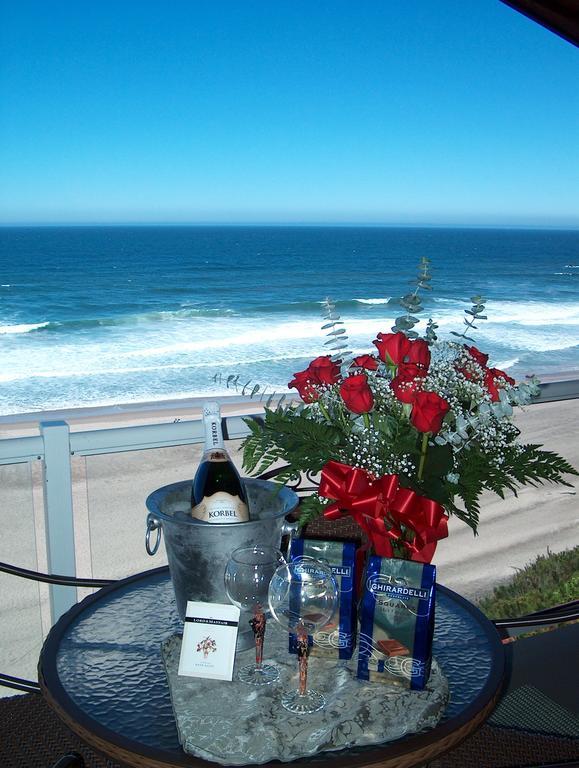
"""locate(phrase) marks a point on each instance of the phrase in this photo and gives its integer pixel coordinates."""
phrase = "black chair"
(536, 723)
(71, 760)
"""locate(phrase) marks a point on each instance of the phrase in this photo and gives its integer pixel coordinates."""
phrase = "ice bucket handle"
(290, 529)
(153, 524)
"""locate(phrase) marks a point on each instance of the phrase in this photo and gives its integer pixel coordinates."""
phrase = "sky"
(455, 112)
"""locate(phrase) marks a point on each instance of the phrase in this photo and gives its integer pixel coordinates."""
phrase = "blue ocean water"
(107, 315)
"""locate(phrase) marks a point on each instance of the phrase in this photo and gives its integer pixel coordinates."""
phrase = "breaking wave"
(23, 327)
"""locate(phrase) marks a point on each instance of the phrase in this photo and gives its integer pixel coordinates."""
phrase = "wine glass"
(303, 597)
(247, 576)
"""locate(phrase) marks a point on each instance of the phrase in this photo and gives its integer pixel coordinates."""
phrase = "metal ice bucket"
(198, 552)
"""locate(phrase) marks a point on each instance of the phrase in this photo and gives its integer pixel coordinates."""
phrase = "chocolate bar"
(392, 648)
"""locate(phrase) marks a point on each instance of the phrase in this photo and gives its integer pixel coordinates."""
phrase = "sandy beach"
(109, 493)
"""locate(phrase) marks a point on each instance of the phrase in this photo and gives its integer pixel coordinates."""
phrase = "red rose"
(498, 374)
(320, 371)
(305, 386)
(368, 362)
(408, 381)
(392, 347)
(480, 357)
(428, 411)
(356, 393)
(406, 389)
(408, 371)
(493, 377)
(323, 370)
(419, 353)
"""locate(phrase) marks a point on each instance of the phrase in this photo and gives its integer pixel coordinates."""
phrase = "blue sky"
(382, 111)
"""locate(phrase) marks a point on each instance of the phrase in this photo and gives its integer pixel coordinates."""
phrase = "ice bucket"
(198, 552)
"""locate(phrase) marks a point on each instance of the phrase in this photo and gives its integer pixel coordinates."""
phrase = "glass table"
(100, 669)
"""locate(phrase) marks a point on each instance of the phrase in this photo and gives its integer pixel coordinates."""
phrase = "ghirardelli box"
(337, 639)
(397, 622)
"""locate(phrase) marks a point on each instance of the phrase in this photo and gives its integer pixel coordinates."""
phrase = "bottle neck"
(213, 433)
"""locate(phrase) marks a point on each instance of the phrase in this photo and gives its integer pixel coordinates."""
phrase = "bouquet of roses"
(402, 438)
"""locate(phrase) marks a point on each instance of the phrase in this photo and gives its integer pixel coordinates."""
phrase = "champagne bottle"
(218, 495)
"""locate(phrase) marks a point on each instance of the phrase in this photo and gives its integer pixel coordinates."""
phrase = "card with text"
(209, 639)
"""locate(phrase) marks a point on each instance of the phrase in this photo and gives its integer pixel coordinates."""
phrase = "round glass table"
(101, 670)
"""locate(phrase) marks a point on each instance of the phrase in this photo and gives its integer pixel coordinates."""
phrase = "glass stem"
(303, 666)
(258, 651)
(258, 626)
(303, 652)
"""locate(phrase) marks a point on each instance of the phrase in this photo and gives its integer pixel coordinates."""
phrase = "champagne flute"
(303, 597)
(247, 576)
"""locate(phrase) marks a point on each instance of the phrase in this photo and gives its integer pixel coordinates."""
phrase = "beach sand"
(109, 493)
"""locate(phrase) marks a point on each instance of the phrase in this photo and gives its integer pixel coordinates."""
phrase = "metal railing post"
(58, 514)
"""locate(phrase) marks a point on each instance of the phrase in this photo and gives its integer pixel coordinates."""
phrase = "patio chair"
(71, 760)
(536, 723)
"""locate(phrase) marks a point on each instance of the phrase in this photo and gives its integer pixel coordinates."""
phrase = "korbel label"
(221, 508)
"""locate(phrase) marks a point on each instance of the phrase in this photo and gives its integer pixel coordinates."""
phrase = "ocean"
(107, 315)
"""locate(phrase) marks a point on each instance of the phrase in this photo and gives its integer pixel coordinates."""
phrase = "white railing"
(56, 445)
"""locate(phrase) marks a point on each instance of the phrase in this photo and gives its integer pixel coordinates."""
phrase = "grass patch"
(549, 580)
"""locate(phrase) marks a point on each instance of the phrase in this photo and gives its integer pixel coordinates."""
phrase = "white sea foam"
(526, 313)
(504, 365)
(22, 328)
(373, 301)
(82, 372)
(153, 359)
(454, 302)
(521, 338)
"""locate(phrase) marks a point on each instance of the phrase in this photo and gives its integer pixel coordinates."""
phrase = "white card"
(209, 639)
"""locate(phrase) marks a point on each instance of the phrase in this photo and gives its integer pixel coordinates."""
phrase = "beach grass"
(549, 580)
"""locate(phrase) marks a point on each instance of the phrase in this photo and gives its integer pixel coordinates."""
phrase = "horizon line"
(282, 224)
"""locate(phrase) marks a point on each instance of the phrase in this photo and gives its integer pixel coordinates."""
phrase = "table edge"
(449, 733)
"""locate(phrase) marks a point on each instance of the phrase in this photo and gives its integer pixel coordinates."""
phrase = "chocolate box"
(337, 639)
(397, 622)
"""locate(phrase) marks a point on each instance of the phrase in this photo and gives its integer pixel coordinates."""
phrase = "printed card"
(209, 639)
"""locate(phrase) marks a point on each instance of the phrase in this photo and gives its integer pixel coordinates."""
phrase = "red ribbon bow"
(381, 507)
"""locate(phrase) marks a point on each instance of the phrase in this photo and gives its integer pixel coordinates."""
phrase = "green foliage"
(412, 302)
(550, 580)
(310, 508)
(338, 338)
(522, 465)
(305, 444)
(439, 462)
(430, 333)
(530, 465)
(250, 389)
(474, 314)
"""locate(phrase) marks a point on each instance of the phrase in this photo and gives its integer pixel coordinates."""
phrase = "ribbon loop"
(384, 510)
